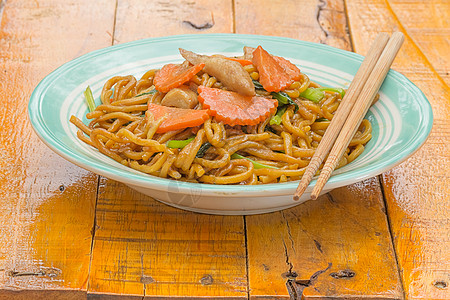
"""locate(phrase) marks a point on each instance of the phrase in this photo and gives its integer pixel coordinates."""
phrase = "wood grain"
(340, 245)
(316, 21)
(417, 192)
(336, 246)
(142, 247)
(45, 238)
(142, 19)
(428, 25)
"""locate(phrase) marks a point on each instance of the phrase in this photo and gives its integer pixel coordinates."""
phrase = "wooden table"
(66, 233)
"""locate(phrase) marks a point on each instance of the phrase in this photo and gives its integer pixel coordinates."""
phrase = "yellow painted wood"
(146, 248)
(428, 25)
(338, 246)
(417, 192)
(144, 19)
(314, 21)
(143, 247)
(46, 203)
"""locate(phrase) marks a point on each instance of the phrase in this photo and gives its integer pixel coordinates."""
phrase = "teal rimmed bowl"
(401, 119)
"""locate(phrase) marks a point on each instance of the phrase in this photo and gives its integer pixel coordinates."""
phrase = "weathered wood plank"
(417, 192)
(143, 19)
(338, 246)
(142, 247)
(428, 25)
(314, 21)
(45, 238)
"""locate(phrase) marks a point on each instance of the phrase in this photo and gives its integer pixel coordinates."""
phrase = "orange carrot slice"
(177, 118)
(235, 109)
(292, 70)
(272, 75)
(171, 76)
(243, 62)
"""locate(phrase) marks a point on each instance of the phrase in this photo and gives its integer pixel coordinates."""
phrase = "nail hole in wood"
(343, 274)
(206, 280)
(147, 279)
(440, 284)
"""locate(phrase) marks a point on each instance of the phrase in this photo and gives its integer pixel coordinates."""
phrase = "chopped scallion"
(257, 85)
(146, 93)
(89, 99)
(276, 119)
(256, 164)
(203, 148)
(284, 99)
(315, 95)
(179, 143)
(322, 120)
(330, 89)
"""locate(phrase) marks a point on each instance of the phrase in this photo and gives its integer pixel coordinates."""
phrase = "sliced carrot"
(171, 76)
(235, 109)
(243, 62)
(272, 75)
(292, 70)
(177, 118)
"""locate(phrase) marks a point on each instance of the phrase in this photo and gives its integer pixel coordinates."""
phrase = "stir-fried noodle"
(276, 149)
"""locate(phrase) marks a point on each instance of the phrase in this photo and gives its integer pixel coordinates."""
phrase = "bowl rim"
(153, 182)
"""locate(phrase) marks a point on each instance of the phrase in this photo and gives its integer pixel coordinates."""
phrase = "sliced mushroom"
(230, 73)
(181, 97)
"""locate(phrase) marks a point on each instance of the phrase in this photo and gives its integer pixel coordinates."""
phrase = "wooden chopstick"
(352, 110)
(342, 112)
(359, 110)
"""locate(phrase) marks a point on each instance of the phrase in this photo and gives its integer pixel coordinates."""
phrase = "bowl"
(401, 119)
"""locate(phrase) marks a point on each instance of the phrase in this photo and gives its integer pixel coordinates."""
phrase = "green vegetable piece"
(322, 120)
(257, 85)
(256, 164)
(270, 129)
(330, 89)
(315, 95)
(276, 119)
(89, 99)
(284, 99)
(179, 143)
(146, 93)
(203, 148)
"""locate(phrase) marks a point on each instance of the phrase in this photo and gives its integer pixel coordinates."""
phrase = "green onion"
(312, 94)
(316, 94)
(257, 85)
(330, 89)
(89, 99)
(146, 93)
(179, 143)
(284, 99)
(203, 148)
(256, 164)
(322, 120)
(276, 119)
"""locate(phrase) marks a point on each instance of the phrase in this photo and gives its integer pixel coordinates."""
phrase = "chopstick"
(342, 112)
(351, 111)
